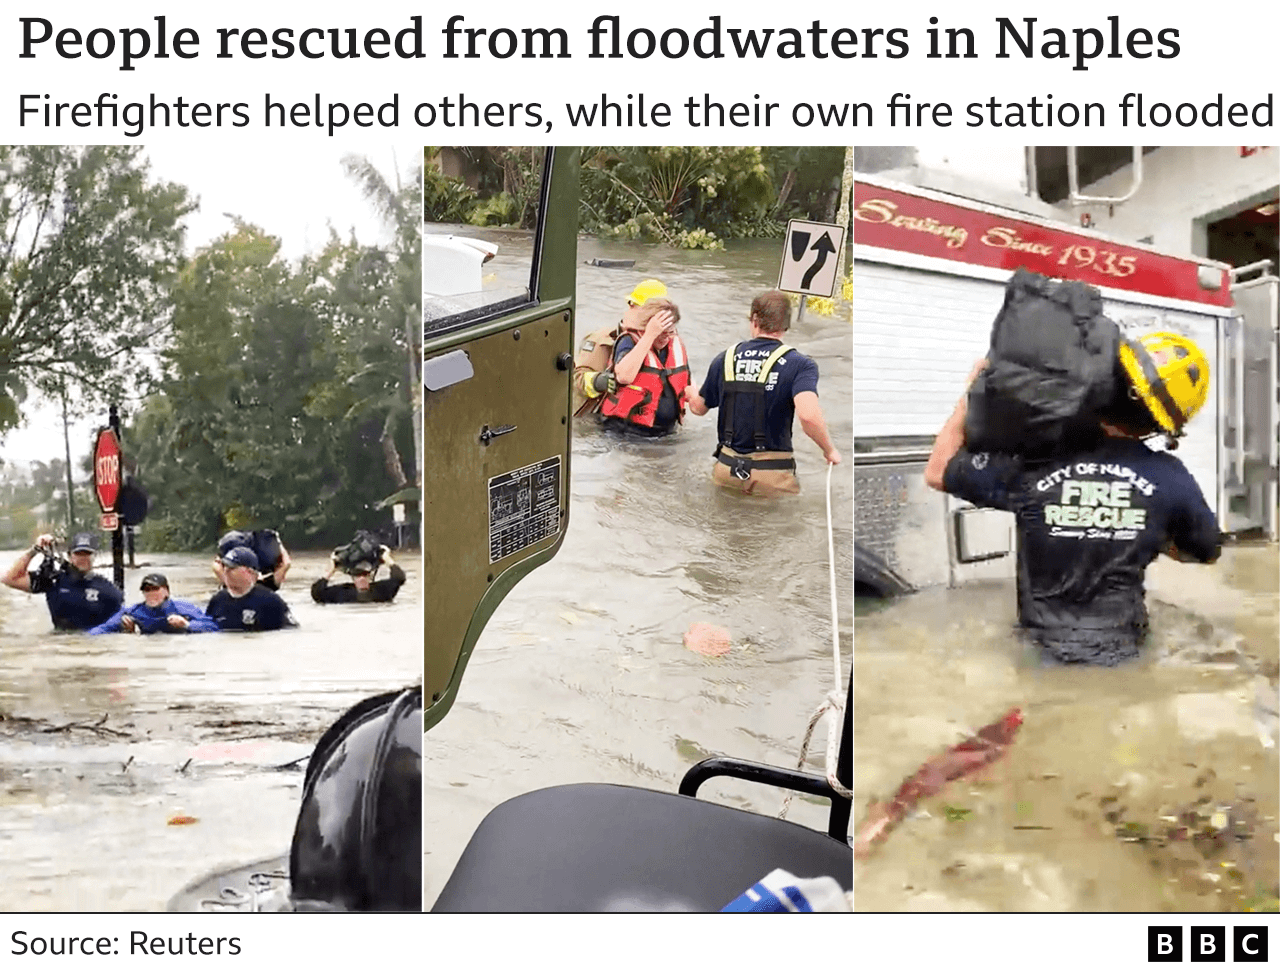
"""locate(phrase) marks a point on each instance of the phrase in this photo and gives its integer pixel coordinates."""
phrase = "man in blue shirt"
(157, 612)
(1090, 522)
(760, 387)
(78, 597)
(244, 604)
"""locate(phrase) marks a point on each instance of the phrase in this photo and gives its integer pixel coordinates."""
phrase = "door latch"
(486, 434)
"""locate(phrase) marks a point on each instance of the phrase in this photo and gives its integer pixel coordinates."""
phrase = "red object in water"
(707, 639)
(932, 776)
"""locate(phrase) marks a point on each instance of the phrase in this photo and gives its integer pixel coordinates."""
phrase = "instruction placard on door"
(809, 258)
(524, 507)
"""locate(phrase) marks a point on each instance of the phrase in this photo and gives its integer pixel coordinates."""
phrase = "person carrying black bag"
(362, 566)
(1096, 506)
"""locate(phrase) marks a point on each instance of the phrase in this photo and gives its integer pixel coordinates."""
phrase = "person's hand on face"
(661, 327)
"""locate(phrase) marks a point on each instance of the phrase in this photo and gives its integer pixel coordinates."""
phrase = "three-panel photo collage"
(886, 529)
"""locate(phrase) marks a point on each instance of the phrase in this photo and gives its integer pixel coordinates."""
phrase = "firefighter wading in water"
(761, 386)
(636, 373)
(1090, 522)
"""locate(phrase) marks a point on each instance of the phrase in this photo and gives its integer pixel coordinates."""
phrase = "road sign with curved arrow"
(808, 258)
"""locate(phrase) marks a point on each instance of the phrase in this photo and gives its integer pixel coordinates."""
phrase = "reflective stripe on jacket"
(753, 387)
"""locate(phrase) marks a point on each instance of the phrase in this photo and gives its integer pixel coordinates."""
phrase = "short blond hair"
(653, 307)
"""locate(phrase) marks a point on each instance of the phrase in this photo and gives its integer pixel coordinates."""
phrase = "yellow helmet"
(646, 290)
(1170, 375)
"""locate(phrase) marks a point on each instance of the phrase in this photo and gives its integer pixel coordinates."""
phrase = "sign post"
(107, 466)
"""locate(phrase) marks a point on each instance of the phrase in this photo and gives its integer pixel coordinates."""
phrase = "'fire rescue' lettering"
(1096, 504)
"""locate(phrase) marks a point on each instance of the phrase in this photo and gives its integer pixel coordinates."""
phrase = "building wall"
(1183, 188)
(1002, 169)
(990, 174)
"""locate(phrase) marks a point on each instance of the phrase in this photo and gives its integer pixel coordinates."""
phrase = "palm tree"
(400, 209)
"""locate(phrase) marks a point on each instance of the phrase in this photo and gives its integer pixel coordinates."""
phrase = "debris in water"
(183, 820)
(706, 639)
(932, 776)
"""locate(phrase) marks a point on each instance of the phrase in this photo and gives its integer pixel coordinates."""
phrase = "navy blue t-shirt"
(792, 374)
(77, 601)
(668, 414)
(1088, 526)
(257, 610)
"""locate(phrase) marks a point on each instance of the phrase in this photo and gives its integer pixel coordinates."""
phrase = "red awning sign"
(900, 221)
(106, 469)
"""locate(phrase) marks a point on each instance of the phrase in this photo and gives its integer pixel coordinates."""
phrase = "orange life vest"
(638, 402)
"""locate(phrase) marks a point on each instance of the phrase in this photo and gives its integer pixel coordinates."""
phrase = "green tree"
(393, 339)
(808, 180)
(272, 411)
(88, 248)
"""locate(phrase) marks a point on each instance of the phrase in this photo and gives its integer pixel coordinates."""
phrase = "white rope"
(831, 566)
(833, 705)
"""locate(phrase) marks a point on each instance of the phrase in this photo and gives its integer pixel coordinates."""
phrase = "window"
(481, 211)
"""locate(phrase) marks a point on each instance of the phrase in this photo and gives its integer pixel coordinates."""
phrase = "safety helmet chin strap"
(1157, 388)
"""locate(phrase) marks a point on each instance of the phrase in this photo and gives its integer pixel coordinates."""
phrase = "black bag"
(52, 564)
(264, 543)
(365, 546)
(234, 539)
(1051, 371)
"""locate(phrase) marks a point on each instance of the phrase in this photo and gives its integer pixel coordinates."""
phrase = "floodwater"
(1149, 787)
(581, 674)
(104, 739)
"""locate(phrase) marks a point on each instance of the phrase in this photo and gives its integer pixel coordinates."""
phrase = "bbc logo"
(1207, 944)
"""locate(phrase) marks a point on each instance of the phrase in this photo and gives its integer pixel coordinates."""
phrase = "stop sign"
(106, 469)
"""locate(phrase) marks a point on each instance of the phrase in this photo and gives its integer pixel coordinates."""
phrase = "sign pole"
(117, 536)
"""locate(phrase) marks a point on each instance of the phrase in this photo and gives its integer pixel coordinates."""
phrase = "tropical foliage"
(685, 196)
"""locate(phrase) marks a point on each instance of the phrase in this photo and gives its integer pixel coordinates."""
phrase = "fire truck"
(929, 273)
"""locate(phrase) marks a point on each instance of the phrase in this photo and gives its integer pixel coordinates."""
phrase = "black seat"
(605, 848)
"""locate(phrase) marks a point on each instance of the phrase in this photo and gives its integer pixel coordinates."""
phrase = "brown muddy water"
(1149, 787)
(106, 738)
(581, 675)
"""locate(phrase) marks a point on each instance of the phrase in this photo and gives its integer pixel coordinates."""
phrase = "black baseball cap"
(154, 580)
(84, 541)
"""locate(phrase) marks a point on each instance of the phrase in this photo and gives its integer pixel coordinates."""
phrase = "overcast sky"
(294, 193)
